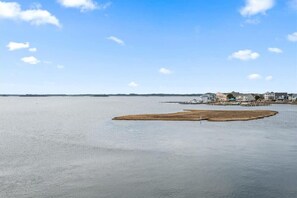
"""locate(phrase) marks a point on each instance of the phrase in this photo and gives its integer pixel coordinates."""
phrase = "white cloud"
(30, 60)
(133, 84)
(116, 40)
(39, 17)
(12, 10)
(16, 46)
(9, 9)
(268, 78)
(254, 7)
(60, 66)
(33, 49)
(292, 37)
(245, 55)
(84, 5)
(254, 76)
(165, 71)
(275, 50)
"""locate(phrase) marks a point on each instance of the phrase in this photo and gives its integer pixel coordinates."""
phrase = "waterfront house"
(245, 98)
(221, 97)
(235, 94)
(269, 96)
(208, 97)
(281, 96)
(292, 97)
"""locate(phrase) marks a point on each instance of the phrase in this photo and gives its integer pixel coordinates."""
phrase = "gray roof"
(281, 94)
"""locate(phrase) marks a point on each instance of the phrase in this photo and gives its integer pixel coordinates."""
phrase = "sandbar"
(198, 115)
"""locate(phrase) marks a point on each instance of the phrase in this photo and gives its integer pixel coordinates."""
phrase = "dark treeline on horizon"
(91, 95)
(100, 95)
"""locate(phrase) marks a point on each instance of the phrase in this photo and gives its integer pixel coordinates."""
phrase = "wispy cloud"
(244, 55)
(116, 40)
(84, 5)
(33, 49)
(17, 46)
(39, 17)
(268, 78)
(292, 37)
(254, 76)
(133, 84)
(165, 71)
(13, 11)
(275, 50)
(258, 77)
(254, 7)
(30, 60)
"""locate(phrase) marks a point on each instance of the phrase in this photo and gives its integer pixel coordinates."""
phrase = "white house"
(269, 96)
(292, 97)
(208, 97)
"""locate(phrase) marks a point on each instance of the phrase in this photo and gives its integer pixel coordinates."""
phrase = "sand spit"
(197, 115)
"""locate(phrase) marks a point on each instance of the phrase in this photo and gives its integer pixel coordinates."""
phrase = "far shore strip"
(197, 115)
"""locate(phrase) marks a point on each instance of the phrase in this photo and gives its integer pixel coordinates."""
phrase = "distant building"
(281, 96)
(245, 98)
(269, 96)
(208, 97)
(221, 97)
(235, 94)
(292, 97)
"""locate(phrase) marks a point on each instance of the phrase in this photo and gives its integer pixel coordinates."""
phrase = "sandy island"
(197, 115)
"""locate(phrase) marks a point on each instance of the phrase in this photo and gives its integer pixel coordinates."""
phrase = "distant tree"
(257, 98)
(230, 96)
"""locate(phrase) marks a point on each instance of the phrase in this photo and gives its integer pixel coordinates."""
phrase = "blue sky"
(147, 46)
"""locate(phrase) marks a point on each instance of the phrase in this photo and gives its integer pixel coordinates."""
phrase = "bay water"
(70, 147)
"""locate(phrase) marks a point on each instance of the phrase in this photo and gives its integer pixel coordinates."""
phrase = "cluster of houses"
(241, 97)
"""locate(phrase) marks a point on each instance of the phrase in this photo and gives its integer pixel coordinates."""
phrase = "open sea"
(69, 147)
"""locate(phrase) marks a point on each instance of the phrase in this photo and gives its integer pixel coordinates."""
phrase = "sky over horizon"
(147, 46)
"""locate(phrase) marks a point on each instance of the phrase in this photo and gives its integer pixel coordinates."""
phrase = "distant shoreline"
(245, 104)
(96, 95)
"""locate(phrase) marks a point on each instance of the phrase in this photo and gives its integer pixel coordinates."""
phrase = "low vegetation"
(197, 115)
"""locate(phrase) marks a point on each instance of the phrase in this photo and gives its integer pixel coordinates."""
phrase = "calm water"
(70, 147)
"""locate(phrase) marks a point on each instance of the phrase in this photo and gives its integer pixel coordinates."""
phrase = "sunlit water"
(70, 147)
